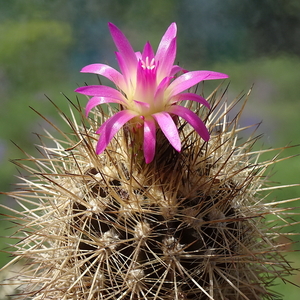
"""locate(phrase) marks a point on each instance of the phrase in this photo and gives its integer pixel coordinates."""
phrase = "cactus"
(189, 225)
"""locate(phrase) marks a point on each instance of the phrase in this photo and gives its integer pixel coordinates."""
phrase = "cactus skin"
(190, 225)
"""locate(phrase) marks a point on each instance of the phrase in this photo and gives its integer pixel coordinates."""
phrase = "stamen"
(147, 65)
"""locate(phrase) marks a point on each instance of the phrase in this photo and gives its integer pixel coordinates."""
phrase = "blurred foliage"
(218, 30)
(44, 44)
(22, 48)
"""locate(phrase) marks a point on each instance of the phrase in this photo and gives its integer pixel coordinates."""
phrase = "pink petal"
(191, 118)
(189, 79)
(124, 68)
(191, 97)
(99, 100)
(175, 69)
(106, 71)
(146, 81)
(100, 91)
(165, 42)
(123, 46)
(147, 52)
(142, 105)
(149, 139)
(169, 129)
(138, 55)
(166, 62)
(109, 128)
(161, 89)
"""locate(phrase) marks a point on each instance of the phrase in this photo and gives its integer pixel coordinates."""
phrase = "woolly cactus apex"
(188, 225)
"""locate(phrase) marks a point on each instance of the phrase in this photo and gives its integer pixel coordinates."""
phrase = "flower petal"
(106, 71)
(128, 76)
(175, 69)
(160, 90)
(189, 79)
(169, 129)
(138, 55)
(146, 82)
(100, 100)
(110, 127)
(123, 46)
(165, 63)
(147, 52)
(101, 91)
(165, 42)
(191, 118)
(191, 97)
(149, 139)
(142, 105)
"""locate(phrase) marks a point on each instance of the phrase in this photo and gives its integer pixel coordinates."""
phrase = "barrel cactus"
(154, 224)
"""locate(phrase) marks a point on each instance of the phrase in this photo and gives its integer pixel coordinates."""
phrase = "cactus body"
(190, 225)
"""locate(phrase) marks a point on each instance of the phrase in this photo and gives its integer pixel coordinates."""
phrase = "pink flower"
(148, 92)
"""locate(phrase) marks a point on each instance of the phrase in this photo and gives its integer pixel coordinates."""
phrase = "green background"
(44, 44)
